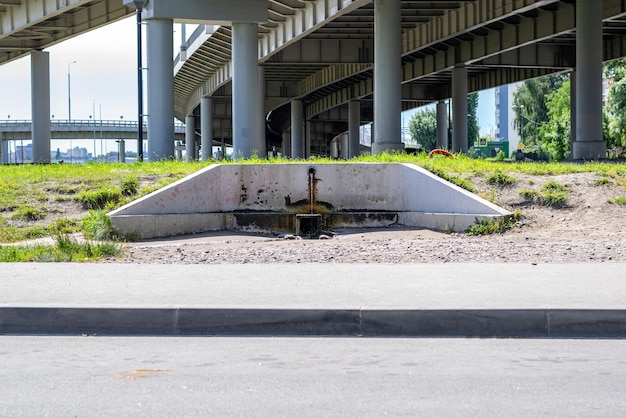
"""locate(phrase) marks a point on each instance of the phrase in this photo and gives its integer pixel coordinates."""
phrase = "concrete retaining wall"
(207, 200)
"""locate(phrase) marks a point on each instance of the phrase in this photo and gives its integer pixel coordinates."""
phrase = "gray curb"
(173, 321)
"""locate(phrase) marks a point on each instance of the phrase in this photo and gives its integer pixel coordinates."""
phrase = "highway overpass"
(295, 73)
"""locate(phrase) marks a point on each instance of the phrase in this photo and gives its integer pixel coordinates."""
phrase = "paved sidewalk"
(502, 300)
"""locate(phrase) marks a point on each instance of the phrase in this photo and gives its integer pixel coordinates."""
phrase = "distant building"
(505, 130)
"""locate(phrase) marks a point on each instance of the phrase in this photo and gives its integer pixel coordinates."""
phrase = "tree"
(423, 128)
(615, 72)
(556, 131)
(472, 119)
(529, 106)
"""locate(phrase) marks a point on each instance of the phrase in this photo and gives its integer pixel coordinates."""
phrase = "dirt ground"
(587, 229)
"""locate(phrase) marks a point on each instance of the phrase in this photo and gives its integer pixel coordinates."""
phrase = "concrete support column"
(297, 129)
(589, 143)
(459, 109)
(261, 114)
(190, 137)
(245, 88)
(442, 125)
(354, 124)
(206, 128)
(4, 151)
(387, 77)
(121, 151)
(572, 100)
(160, 45)
(40, 105)
(286, 144)
(307, 139)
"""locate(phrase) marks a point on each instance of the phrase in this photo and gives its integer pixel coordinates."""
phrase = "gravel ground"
(587, 229)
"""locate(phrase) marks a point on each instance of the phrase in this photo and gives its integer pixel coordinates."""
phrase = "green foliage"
(552, 194)
(423, 129)
(130, 186)
(500, 179)
(29, 213)
(99, 199)
(472, 119)
(65, 249)
(615, 118)
(618, 201)
(556, 131)
(531, 112)
(500, 225)
(98, 226)
(602, 181)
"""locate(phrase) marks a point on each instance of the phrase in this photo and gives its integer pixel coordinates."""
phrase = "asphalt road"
(199, 376)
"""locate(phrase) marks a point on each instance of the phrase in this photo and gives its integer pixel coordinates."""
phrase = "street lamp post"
(139, 5)
(69, 92)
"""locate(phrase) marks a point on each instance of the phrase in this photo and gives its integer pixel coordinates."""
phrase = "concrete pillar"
(206, 128)
(40, 105)
(190, 137)
(286, 145)
(245, 88)
(121, 150)
(307, 139)
(354, 123)
(572, 100)
(442, 124)
(261, 114)
(297, 129)
(459, 109)
(589, 143)
(387, 77)
(160, 45)
(4, 151)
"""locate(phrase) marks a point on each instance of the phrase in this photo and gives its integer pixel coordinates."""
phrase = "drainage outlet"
(308, 225)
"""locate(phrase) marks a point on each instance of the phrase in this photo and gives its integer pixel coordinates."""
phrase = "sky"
(104, 79)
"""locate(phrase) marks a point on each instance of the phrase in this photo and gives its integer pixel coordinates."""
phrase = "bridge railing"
(80, 125)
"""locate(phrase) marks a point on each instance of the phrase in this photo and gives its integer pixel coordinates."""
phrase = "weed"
(618, 201)
(66, 248)
(602, 181)
(553, 186)
(488, 227)
(529, 194)
(491, 196)
(500, 179)
(29, 213)
(130, 186)
(99, 199)
(554, 199)
(97, 226)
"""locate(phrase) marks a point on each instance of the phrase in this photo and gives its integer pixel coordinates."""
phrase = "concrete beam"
(221, 12)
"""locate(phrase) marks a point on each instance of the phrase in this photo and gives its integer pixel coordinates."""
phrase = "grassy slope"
(44, 200)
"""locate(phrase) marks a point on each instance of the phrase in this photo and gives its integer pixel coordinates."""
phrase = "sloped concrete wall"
(420, 198)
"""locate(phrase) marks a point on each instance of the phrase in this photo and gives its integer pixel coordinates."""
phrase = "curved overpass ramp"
(322, 53)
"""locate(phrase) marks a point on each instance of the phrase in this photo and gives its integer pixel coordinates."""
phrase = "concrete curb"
(174, 321)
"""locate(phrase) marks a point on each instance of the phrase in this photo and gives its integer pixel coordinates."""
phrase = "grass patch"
(500, 225)
(552, 194)
(602, 181)
(65, 249)
(500, 179)
(617, 201)
(100, 199)
(28, 213)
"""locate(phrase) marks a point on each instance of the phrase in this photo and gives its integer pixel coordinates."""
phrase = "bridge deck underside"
(331, 62)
